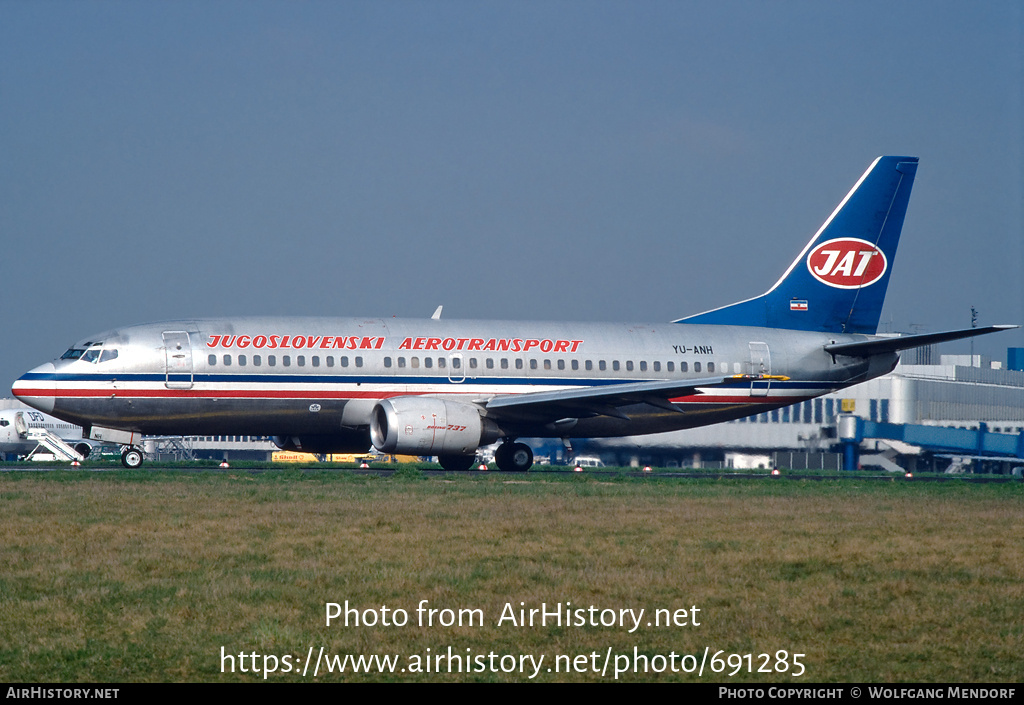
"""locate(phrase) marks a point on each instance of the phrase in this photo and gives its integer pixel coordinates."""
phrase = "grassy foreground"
(145, 576)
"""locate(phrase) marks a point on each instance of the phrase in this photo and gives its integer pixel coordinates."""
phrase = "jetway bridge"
(977, 442)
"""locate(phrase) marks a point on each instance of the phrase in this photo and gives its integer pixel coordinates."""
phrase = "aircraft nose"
(37, 387)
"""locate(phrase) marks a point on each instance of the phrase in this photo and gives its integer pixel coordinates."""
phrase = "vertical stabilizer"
(837, 284)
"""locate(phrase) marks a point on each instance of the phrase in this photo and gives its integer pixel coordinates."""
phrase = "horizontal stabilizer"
(868, 348)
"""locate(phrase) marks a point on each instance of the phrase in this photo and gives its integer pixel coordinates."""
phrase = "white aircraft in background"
(18, 427)
(445, 388)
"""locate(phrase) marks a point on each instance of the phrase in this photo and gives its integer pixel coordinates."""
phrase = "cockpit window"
(108, 355)
(91, 355)
(72, 354)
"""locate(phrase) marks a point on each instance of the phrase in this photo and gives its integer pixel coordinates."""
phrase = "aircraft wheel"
(456, 463)
(513, 457)
(501, 458)
(131, 458)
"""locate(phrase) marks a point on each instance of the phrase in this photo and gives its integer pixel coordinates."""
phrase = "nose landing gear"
(132, 457)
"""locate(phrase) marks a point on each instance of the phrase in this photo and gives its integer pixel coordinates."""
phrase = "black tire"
(501, 457)
(456, 463)
(132, 458)
(513, 457)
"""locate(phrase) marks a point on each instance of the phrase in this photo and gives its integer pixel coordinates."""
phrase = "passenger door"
(178, 356)
(760, 364)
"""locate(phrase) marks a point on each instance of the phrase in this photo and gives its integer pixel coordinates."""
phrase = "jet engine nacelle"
(429, 426)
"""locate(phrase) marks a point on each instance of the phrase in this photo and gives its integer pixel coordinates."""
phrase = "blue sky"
(528, 160)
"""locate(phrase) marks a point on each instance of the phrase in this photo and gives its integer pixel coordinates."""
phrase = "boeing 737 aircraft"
(445, 388)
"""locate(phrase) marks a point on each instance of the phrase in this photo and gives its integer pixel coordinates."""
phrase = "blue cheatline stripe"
(277, 379)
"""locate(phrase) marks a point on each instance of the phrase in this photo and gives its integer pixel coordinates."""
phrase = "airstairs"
(53, 443)
(880, 461)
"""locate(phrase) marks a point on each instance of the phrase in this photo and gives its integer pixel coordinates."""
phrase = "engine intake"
(429, 426)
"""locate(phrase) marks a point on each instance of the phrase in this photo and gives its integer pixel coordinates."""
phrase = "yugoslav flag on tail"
(838, 282)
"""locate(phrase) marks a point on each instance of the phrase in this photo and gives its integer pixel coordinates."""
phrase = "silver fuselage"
(323, 376)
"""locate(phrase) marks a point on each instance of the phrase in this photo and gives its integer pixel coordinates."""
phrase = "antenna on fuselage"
(437, 313)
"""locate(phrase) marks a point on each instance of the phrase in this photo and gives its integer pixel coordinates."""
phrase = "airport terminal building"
(965, 392)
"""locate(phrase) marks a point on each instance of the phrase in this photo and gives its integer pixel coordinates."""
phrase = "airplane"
(447, 387)
(15, 425)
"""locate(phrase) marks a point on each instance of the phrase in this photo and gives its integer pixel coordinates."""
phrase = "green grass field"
(146, 576)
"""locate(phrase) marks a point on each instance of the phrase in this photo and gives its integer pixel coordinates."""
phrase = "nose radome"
(37, 387)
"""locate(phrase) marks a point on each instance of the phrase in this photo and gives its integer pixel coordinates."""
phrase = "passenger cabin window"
(696, 366)
(671, 366)
(711, 367)
(212, 360)
(227, 360)
(272, 360)
(286, 360)
(241, 360)
(257, 360)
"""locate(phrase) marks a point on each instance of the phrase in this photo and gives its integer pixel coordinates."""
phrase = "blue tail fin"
(838, 282)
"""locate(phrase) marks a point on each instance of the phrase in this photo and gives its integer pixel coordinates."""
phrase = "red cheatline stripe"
(323, 394)
(206, 393)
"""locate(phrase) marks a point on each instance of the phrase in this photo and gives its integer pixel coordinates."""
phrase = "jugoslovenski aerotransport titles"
(447, 387)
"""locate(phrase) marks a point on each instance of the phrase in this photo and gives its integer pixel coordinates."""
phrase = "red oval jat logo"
(847, 263)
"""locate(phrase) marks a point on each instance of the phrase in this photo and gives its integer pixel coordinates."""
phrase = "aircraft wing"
(602, 400)
(905, 342)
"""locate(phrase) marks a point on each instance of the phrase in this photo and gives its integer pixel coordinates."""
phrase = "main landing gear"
(456, 463)
(513, 457)
(132, 457)
(509, 457)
